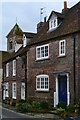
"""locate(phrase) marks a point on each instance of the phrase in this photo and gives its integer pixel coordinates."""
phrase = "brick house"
(14, 64)
(53, 58)
(51, 70)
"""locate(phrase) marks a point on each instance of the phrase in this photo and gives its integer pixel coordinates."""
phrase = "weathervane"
(41, 13)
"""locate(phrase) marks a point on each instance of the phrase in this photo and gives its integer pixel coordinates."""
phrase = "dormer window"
(53, 23)
(24, 40)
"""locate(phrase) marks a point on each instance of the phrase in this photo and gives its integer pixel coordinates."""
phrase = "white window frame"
(6, 89)
(14, 67)
(44, 78)
(42, 57)
(62, 47)
(7, 70)
(14, 90)
(24, 40)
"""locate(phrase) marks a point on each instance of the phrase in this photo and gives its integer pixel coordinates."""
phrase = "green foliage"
(13, 102)
(44, 105)
(61, 112)
(62, 105)
(35, 105)
(22, 106)
(70, 108)
(6, 101)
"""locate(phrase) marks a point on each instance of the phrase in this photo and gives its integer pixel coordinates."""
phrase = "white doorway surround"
(56, 93)
(23, 91)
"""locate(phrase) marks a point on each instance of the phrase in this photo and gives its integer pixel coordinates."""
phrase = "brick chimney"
(65, 4)
(65, 9)
(40, 24)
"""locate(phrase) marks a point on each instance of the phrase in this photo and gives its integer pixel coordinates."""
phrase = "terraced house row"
(45, 65)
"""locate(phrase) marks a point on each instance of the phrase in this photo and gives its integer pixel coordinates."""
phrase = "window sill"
(42, 91)
(42, 59)
(60, 56)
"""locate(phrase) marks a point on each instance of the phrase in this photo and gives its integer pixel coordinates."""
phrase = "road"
(7, 114)
(12, 115)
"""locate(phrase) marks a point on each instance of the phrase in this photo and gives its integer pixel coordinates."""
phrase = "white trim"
(68, 93)
(13, 92)
(7, 70)
(62, 54)
(23, 91)
(42, 76)
(14, 67)
(39, 47)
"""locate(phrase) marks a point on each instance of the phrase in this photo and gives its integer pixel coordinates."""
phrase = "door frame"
(22, 88)
(56, 94)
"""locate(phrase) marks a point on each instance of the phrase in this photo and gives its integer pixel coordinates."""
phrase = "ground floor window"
(14, 90)
(42, 83)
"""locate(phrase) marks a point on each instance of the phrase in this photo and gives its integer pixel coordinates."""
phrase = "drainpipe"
(25, 76)
(74, 66)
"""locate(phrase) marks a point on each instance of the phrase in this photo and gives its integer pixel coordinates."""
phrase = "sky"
(27, 14)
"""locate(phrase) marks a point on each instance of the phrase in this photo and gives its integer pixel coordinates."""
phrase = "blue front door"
(62, 88)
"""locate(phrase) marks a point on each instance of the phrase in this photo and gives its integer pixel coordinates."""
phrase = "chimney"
(65, 4)
(65, 10)
(40, 24)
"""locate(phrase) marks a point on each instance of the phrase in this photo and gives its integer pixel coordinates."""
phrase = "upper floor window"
(7, 89)
(14, 90)
(42, 83)
(52, 23)
(62, 48)
(42, 52)
(14, 67)
(7, 69)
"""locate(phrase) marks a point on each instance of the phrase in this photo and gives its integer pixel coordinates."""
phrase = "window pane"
(46, 51)
(42, 51)
(42, 82)
(38, 82)
(38, 52)
(46, 83)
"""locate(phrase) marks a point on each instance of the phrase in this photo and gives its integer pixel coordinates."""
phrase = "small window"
(52, 23)
(14, 67)
(62, 48)
(42, 83)
(14, 90)
(7, 70)
(42, 52)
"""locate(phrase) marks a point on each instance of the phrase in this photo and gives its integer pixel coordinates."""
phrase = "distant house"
(47, 66)
(14, 65)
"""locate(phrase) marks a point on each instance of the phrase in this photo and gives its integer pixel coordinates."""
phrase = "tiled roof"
(69, 25)
(29, 34)
(16, 30)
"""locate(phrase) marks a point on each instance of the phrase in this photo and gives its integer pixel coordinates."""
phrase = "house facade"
(14, 65)
(52, 60)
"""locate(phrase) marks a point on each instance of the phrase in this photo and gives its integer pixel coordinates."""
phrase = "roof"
(29, 34)
(16, 30)
(69, 25)
(60, 15)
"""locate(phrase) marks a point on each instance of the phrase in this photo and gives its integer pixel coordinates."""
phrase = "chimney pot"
(65, 4)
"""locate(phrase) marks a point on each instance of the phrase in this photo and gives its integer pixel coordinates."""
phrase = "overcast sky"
(27, 13)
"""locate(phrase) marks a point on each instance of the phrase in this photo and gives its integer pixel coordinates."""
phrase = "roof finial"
(16, 20)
